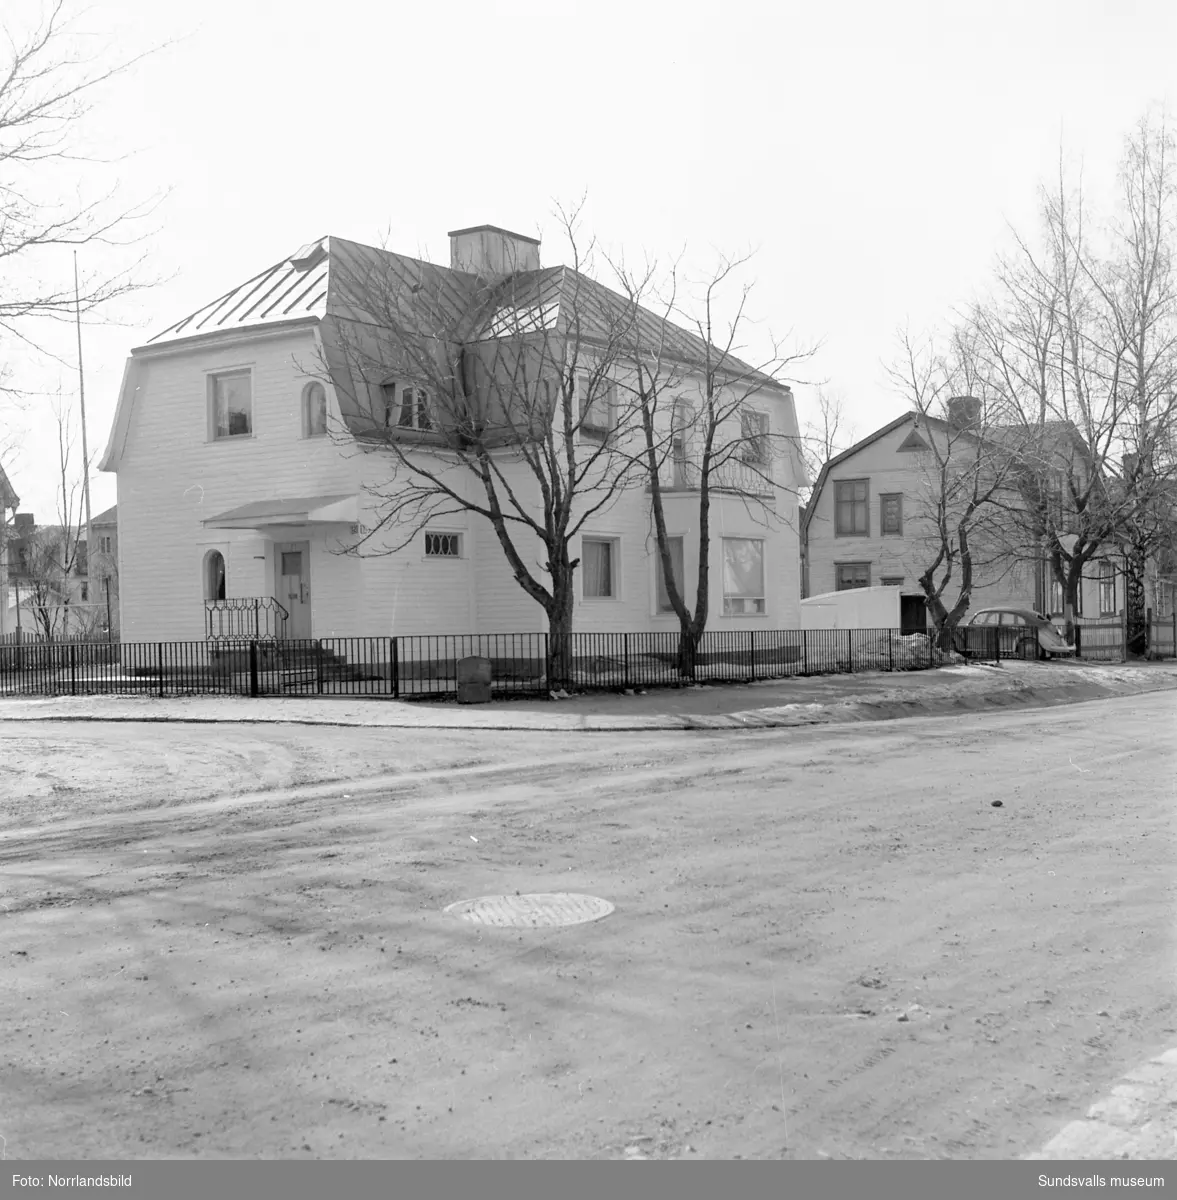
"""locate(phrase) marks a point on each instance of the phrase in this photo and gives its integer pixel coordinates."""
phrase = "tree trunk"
(559, 664)
(688, 650)
(1134, 601)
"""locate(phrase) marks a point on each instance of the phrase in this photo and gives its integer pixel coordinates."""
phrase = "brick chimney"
(492, 253)
(964, 412)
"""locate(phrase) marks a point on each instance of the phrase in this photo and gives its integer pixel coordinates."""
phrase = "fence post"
(804, 652)
(319, 664)
(73, 682)
(1174, 655)
(393, 669)
(253, 669)
(850, 649)
(548, 664)
(159, 664)
(625, 659)
(1124, 622)
(1078, 641)
(890, 651)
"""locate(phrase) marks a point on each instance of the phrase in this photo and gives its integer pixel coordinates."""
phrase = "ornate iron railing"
(245, 618)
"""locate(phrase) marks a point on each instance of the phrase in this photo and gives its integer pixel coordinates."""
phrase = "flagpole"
(85, 444)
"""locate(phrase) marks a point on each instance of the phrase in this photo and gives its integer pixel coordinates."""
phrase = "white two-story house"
(247, 470)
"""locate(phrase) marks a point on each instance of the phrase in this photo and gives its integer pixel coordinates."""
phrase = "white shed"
(866, 608)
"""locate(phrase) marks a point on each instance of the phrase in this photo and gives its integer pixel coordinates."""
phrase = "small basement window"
(443, 545)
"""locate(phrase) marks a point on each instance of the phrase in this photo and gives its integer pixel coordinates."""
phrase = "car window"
(1012, 618)
(983, 618)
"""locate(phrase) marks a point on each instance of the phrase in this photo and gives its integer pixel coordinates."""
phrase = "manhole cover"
(544, 908)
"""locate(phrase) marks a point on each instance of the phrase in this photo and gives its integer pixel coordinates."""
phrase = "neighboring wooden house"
(103, 567)
(245, 470)
(49, 589)
(9, 502)
(867, 525)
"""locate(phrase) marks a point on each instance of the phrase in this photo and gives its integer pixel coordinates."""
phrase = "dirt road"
(826, 941)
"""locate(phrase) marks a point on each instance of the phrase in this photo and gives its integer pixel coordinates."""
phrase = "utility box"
(474, 680)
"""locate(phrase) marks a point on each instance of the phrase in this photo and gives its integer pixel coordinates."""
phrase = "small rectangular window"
(1107, 589)
(231, 400)
(892, 581)
(891, 513)
(850, 505)
(599, 568)
(675, 546)
(743, 577)
(291, 562)
(853, 575)
(443, 545)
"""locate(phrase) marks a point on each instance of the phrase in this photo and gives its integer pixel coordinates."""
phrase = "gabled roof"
(8, 498)
(108, 516)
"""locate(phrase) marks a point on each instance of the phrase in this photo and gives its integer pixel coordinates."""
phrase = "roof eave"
(241, 333)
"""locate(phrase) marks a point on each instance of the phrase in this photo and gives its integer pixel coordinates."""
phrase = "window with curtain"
(232, 404)
(675, 546)
(1107, 589)
(743, 576)
(852, 575)
(597, 555)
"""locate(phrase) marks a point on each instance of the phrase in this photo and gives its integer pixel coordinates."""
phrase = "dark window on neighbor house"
(443, 545)
(851, 498)
(106, 545)
(231, 401)
(852, 575)
(754, 437)
(891, 513)
(85, 592)
(1107, 588)
(674, 545)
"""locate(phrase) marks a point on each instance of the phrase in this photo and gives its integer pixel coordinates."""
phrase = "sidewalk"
(816, 700)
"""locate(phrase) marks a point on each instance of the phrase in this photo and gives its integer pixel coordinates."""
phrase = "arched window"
(214, 575)
(314, 409)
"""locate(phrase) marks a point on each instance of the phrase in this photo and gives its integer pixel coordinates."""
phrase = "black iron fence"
(427, 666)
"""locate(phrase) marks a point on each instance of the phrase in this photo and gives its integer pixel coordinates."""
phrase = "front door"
(292, 568)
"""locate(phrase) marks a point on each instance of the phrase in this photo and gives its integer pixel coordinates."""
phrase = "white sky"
(870, 154)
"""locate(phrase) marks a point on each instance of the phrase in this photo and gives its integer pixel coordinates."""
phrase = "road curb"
(848, 710)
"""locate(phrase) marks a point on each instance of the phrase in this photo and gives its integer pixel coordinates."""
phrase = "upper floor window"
(314, 410)
(754, 437)
(851, 497)
(106, 544)
(891, 513)
(231, 404)
(406, 407)
(681, 419)
(596, 406)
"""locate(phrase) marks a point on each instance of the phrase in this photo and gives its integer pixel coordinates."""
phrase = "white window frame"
(105, 543)
(1107, 585)
(658, 588)
(730, 599)
(607, 394)
(614, 544)
(856, 562)
(865, 502)
(211, 379)
(883, 498)
(394, 396)
(445, 533)
(754, 444)
(307, 391)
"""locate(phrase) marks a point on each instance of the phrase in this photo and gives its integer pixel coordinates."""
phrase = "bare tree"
(54, 559)
(712, 425)
(966, 480)
(1081, 338)
(49, 83)
(827, 431)
(504, 399)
